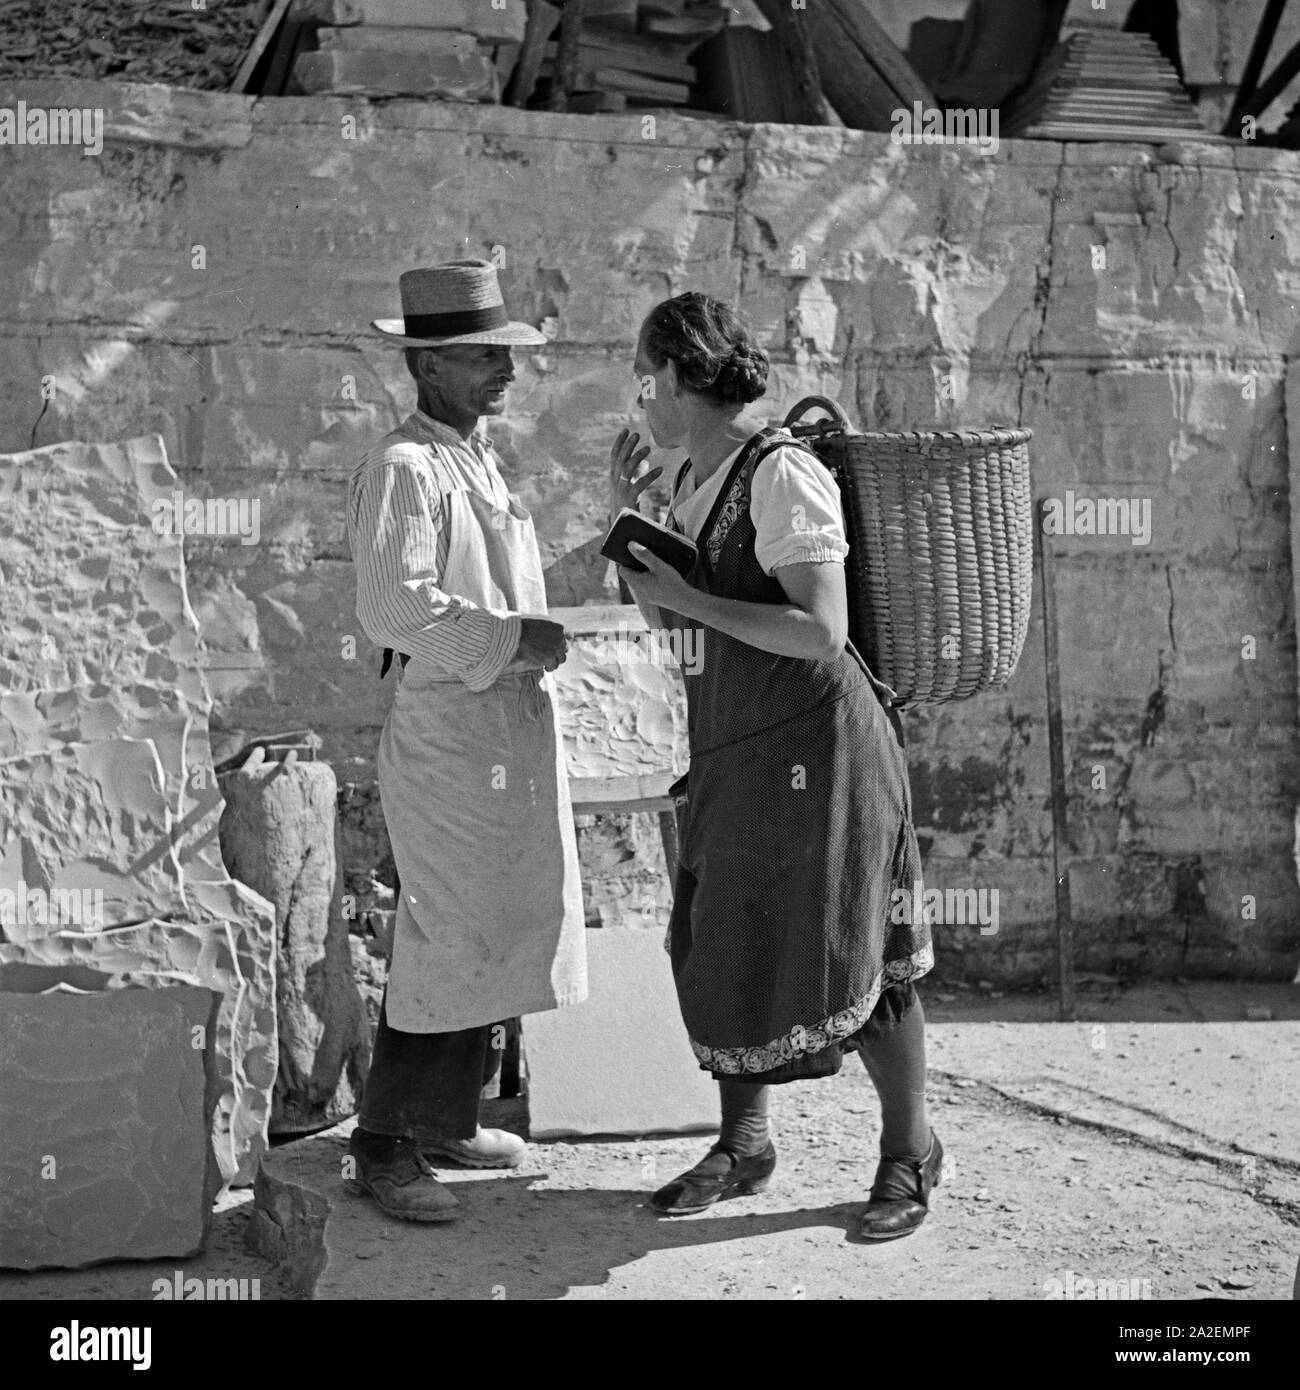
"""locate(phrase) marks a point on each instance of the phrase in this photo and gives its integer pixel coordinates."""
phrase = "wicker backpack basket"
(940, 564)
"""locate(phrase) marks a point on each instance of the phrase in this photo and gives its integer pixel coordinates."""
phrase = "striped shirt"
(397, 522)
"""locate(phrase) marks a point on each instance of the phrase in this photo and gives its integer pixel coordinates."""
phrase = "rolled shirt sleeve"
(395, 525)
(795, 506)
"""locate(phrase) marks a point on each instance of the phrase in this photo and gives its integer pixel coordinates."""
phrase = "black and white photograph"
(648, 654)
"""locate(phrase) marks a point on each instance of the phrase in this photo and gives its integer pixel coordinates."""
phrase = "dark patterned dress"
(795, 824)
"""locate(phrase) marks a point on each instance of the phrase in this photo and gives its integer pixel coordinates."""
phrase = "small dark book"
(670, 546)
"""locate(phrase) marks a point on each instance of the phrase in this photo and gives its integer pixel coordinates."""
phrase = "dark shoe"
(718, 1174)
(489, 1148)
(395, 1174)
(900, 1196)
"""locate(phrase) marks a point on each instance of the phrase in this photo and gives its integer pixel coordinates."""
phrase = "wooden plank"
(689, 26)
(584, 78)
(279, 76)
(542, 20)
(633, 84)
(862, 74)
(647, 58)
(1056, 757)
(1274, 85)
(600, 619)
(648, 792)
(566, 63)
(1254, 64)
(880, 51)
(264, 36)
(616, 14)
(589, 102)
(752, 76)
(801, 58)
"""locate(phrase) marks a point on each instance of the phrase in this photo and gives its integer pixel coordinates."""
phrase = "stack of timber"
(1105, 85)
(450, 50)
(630, 53)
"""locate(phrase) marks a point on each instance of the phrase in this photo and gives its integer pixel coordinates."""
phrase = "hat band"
(453, 325)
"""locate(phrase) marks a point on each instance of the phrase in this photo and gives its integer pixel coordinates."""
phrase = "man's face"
(472, 377)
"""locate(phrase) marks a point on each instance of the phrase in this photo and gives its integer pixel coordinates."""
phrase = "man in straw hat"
(489, 921)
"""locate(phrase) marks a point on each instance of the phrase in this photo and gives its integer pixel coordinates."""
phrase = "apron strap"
(772, 445)
(388, 661)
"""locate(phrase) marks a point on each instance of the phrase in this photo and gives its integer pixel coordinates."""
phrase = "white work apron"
(476, 798)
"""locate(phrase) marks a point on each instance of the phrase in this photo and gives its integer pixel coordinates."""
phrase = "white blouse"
(793, 501)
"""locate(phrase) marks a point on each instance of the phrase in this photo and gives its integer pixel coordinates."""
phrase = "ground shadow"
(516, 1240)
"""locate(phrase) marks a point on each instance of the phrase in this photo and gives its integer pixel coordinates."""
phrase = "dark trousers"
(426, 1086)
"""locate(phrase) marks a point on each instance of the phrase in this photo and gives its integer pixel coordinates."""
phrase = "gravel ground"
(1112, 1175)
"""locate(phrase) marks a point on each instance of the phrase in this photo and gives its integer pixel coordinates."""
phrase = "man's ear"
(427, 363)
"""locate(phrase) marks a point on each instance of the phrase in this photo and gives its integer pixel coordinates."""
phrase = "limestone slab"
(620, 1063)
(98, 641)
(621, 700)
(398, 38)
(106, 1152)
(502, 21)
(228, 949)
(108, 799)
(381, 72)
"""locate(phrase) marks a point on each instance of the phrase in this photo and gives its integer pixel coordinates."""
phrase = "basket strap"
(773, 445)
(743, 458)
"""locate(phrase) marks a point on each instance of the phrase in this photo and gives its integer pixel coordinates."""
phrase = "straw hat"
(459, 302)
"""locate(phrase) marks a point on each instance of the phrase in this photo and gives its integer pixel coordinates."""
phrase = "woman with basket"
(795, 819)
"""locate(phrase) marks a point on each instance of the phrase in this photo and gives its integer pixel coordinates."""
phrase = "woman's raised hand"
(625, 488)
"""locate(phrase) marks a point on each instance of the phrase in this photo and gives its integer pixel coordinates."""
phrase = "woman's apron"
(476, 798)
(795, 830)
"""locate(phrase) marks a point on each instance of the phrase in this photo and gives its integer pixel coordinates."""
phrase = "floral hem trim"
(801, 1039)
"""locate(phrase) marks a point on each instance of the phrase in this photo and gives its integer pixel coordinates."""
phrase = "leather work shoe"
(900, 1196)
(400, 1181)
(717, 1175)
(489, 1148)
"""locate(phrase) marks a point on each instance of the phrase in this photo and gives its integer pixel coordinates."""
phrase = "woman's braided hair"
(713, 348)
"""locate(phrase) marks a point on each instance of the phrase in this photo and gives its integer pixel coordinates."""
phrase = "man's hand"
(624, 460)
(542, 646)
